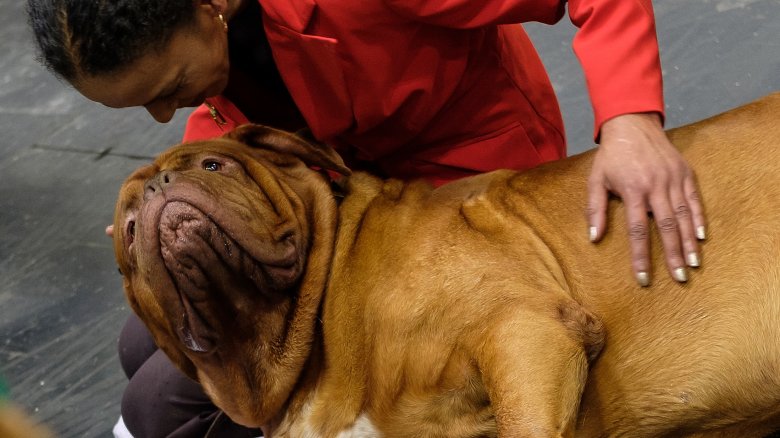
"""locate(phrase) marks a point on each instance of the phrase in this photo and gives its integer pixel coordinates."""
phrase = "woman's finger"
(687, 233)
(597, 210)
(697, 210)
(637, 221)
(669, 231)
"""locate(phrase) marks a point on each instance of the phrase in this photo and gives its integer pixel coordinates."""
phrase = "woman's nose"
(161, 111)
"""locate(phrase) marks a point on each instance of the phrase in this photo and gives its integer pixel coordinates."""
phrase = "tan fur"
(15, 423)
(480, 308)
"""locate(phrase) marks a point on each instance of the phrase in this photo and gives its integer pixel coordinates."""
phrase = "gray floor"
(62, 159)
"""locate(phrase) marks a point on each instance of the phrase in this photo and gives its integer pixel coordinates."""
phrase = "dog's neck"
(329, 397)
(298, 409)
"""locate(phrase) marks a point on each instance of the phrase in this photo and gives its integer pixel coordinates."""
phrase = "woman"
(437, 89)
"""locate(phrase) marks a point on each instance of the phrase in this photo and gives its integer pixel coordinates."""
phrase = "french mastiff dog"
(475, 309)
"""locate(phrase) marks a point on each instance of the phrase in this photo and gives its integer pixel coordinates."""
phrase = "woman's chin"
(195, 102)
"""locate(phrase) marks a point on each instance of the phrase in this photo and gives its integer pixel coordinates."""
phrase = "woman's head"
(161, 55)
(83, 37)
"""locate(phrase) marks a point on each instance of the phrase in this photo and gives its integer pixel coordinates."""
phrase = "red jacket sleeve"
(616, 42)
(618, 50)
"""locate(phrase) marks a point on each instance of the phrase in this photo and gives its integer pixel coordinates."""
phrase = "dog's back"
(432, 270)
(705, 354)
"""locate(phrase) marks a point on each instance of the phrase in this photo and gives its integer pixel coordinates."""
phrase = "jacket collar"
(294, 14)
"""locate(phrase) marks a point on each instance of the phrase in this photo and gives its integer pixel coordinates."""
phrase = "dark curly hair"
(92, 37)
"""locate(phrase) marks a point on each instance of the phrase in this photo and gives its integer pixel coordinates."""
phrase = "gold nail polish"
(693, 259)
(643, 278)
(680, 275)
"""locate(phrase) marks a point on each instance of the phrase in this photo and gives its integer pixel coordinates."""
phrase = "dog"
(479, 308)
(16, 423)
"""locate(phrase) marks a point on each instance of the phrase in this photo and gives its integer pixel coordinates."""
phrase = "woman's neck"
(233, 8)
(255, 86)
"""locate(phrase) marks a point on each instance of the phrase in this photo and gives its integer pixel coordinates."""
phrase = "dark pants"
(159, 400)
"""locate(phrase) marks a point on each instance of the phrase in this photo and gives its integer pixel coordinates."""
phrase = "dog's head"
(224, 247)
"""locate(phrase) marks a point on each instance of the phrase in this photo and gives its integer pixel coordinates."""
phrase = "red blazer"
(445, 88)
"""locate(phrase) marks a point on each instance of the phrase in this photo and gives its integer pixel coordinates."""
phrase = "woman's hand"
(637, 162)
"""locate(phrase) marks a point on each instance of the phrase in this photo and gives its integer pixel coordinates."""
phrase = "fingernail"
(593, 233)
(680, 275)
(700, 234)
(693, 259)
(643, 278)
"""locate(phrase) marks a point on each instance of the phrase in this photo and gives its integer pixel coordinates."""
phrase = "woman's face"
(193, 66)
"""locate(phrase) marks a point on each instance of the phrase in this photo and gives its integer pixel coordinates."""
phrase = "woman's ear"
(310, 152)
(214, 12)
(219, 6)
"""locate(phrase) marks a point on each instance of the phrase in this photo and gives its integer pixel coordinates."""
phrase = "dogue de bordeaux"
(475, 309)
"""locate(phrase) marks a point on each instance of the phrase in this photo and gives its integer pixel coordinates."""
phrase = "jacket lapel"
(309, 65)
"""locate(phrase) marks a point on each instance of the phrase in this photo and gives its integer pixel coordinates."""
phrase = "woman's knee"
(160, 401)
(135, 345)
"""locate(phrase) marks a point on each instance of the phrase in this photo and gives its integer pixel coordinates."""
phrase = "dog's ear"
(310, 152)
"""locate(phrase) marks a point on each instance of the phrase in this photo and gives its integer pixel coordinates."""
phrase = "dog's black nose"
(157, 183)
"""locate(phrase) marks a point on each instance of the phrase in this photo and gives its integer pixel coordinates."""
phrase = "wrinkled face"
(212, 242)
(201, 242)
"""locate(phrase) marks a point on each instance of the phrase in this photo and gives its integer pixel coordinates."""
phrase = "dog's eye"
(211, 166)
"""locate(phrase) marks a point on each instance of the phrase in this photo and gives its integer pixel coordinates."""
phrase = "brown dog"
(475, 309)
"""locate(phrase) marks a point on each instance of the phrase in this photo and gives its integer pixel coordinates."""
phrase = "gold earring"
(222, 19)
